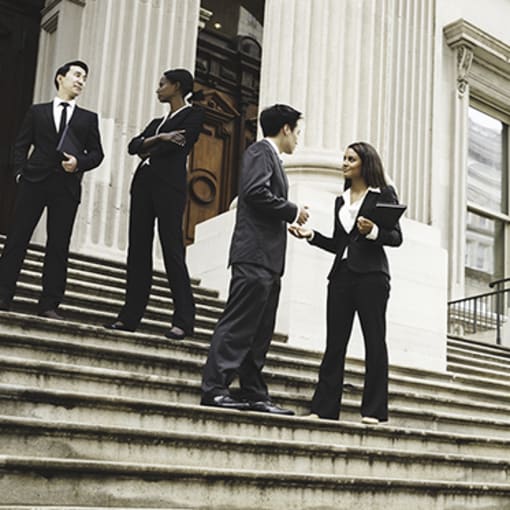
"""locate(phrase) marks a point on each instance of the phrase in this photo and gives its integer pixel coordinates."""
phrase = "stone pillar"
(127, 45)
(358, 70)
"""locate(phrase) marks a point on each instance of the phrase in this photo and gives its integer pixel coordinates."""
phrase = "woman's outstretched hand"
(300, 232)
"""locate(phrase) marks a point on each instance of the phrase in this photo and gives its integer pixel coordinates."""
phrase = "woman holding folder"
(359, 281)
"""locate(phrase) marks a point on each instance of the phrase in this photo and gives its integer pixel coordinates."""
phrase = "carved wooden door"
(228, 73)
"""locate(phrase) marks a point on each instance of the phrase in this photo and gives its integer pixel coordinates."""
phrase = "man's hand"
(300, 232)
(364, 225)
(176, 137)
(303, 215)
(70, 163)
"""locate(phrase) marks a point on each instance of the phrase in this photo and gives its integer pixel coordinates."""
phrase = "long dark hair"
(372, 169)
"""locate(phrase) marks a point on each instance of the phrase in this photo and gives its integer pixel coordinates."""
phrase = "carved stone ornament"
(464, 62)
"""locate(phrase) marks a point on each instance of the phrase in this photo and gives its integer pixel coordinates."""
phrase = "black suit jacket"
(364, 255)
(38, 130)
(263, 211)
(168, 160)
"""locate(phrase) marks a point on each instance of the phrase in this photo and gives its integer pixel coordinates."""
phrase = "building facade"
(427, 82)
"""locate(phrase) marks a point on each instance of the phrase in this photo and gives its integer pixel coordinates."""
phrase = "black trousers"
(58, 195)
(243, 334)
(152, 199)
(348, 293)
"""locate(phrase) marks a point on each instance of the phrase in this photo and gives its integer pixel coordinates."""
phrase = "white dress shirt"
(348, 213)
(57, 110)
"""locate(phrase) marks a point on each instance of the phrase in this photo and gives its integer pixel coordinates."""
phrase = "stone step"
(22, 354)
(84, 409)
(477, 357)
(90, 296)
(27, 307)
(86, 262)
(478, 347)
(484, 375)
(85, 482)
(135, 391)
(489, 368)
(287, 368)
(39, 438)
(31, 273)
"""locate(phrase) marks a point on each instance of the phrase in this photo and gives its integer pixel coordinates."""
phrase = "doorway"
(227, 69)
(19, 37)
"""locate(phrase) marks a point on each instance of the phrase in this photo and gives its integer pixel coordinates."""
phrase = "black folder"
(387, 215)
(68, 143)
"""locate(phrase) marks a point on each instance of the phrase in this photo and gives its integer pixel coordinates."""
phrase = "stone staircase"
(96, 419)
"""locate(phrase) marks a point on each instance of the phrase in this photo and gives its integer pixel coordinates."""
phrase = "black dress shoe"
(5, 306)
(118, 326)
(51, 314)
(224, 401)
(266, 406)
(175, 333)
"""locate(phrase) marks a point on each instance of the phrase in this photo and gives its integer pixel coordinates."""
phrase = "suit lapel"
(369, 203)
(48, 116)
(171, 123)
(338, 204)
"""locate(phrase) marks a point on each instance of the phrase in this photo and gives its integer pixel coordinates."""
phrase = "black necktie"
(63, 120)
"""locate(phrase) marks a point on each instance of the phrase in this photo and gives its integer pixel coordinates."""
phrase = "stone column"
(127, 45)
(358, 70)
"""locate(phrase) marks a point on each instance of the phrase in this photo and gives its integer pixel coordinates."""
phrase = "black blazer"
(263, 211)
(38, 129)
(168, 160)
(364, 255)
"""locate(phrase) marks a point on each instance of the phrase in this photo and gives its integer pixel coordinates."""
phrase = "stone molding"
(480, 55)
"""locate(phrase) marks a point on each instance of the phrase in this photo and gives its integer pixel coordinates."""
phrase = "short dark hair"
(372, 169)
(64, 69)
(182, 76)
(272, 119)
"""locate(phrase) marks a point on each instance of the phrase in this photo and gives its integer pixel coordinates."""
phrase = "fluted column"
(359, 70)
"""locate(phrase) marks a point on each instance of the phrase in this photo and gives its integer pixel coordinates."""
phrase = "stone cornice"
(485, 47)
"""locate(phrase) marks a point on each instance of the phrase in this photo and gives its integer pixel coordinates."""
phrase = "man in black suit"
(50, 178)
(257, 254)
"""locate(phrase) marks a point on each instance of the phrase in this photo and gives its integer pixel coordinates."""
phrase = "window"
(487, 219)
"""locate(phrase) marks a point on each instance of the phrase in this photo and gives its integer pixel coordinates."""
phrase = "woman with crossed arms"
(359, 281)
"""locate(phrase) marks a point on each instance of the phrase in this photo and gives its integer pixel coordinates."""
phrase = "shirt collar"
(70, 102)
(273, 145)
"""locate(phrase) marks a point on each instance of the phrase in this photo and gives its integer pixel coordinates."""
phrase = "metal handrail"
(499, 282)
(481, 314)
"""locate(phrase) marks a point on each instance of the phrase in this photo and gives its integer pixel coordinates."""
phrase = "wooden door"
(227, 72)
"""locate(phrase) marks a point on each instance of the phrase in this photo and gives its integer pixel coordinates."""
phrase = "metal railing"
(480, 314)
